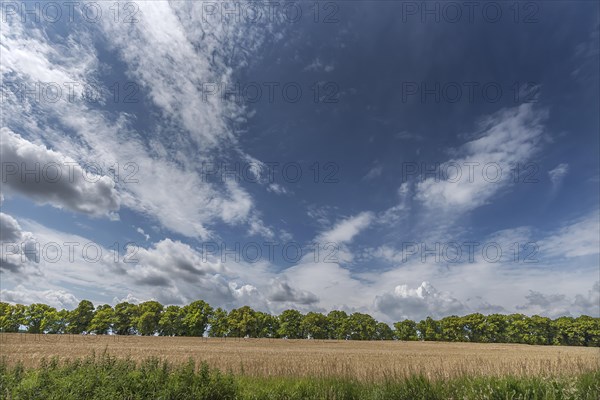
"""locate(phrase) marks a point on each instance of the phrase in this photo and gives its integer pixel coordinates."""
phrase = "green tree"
(453, 329)
(361, 326)
(267, 325)
(171, 321)
(34, 315)
(103, 320)
(80, 318)
(590, 330)
(219, 326)
(55, 321)
(517, 328)
(242, 322)
(540, 331)
(496, 325)
(148, 317)
(315, 325)
(338, 328)
(12, 317)
(195, 318)
(429, 329)
(125, 317)
(383, 331)
(406, 330)
(474, 327)
(290, 325)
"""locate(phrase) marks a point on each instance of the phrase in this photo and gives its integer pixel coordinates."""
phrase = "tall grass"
(107, 377)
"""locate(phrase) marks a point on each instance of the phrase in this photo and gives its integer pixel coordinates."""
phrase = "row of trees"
(199, 318)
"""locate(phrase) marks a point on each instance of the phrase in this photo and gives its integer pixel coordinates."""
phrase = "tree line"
(200, 319)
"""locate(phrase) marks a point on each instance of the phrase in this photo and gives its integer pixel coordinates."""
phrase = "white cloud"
(168, 187)
(509, 137)
(558, 173)
(345, 230)
(407, 303)
(144, 234)
(576, 239)
(10, 230)
(55, 298)
(16, 247)
(282, 292)
(129, 299)
(556, 305)
(49, 177)
(176, 273)
(276, 188)
(318, 65)
(374, 172)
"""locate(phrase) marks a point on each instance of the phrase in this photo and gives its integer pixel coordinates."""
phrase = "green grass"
(106, 377)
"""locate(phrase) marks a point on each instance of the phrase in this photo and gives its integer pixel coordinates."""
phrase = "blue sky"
(442, 162)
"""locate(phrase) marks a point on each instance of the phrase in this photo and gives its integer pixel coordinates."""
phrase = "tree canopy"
(199, 318)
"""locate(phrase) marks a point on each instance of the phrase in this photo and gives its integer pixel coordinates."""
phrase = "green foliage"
(242, 322)
(171, 321)
(106, 377)
(194, 319)
(383, 332)
(79, 319)
(103, 320)
(337, 325)
(219, 326)
(11, 317)
(361, 326)
(148, 317)
(290, 322)
(406, 330)
(429, 329)
(267, 325)
(125, 315)
(315, 326)
(35, 315)
(55, 321)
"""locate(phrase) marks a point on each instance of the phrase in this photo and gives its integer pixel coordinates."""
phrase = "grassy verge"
(105, 377)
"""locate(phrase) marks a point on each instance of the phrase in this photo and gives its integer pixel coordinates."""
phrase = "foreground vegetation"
(107, 377)
(358, 360)
(199, 318)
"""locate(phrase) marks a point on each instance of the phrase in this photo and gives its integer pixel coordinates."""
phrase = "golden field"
(363, 360)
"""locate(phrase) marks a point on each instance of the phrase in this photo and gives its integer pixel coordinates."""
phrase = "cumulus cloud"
(556, 304)
(283, 292)
(10, 230)
(55, 298)
(407, 303)
(129, 299)
(49, 177)
(17, 247)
